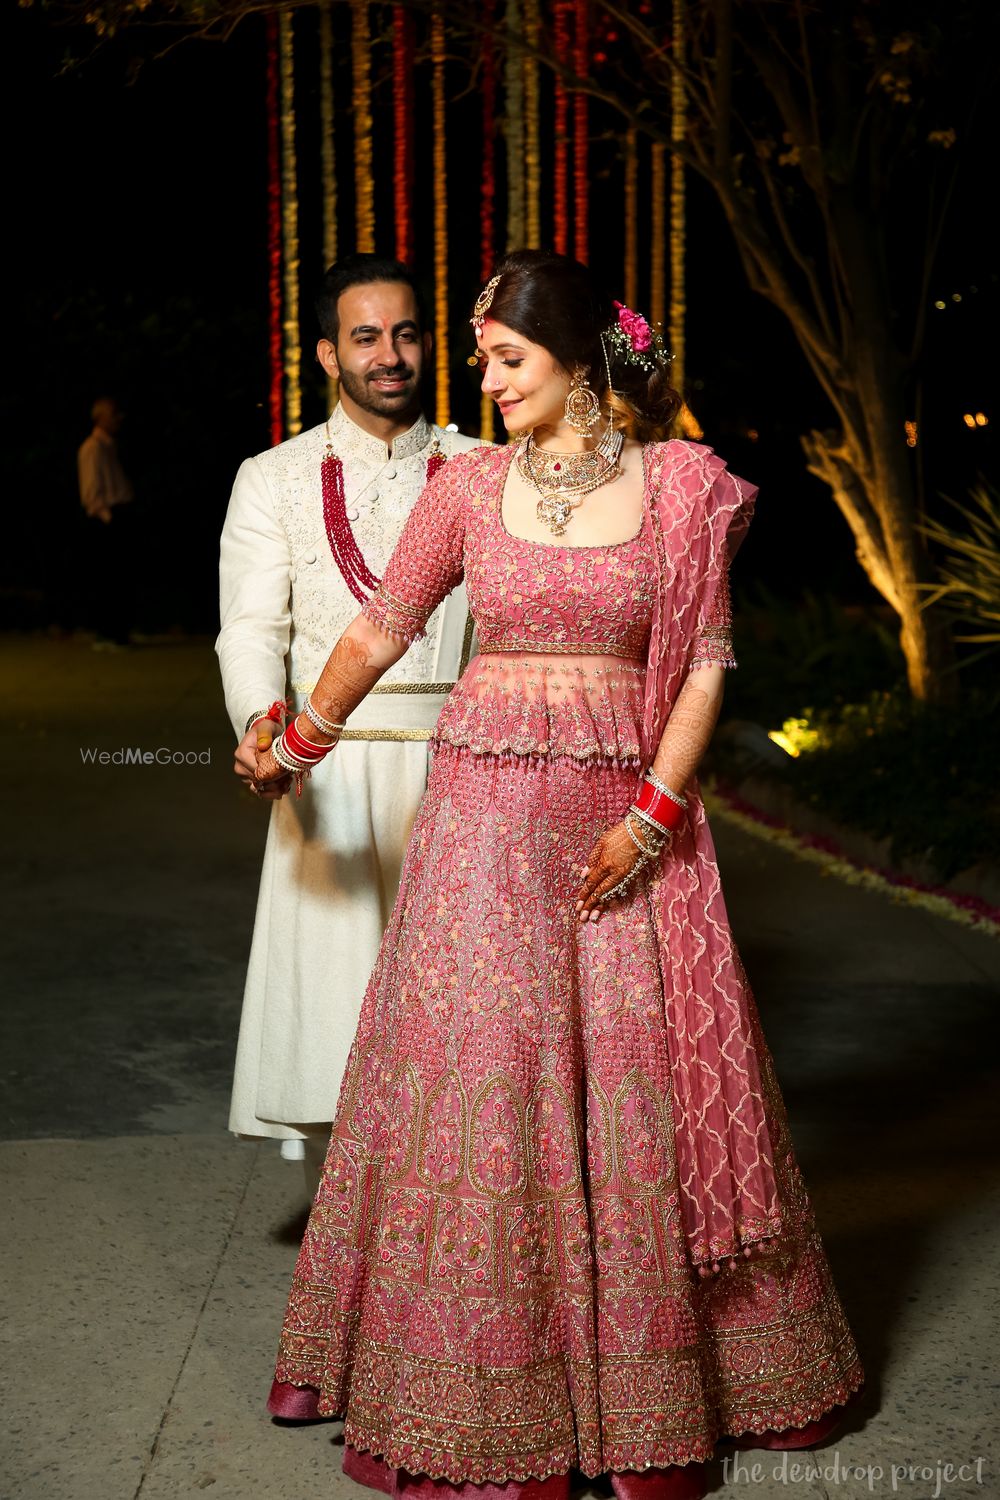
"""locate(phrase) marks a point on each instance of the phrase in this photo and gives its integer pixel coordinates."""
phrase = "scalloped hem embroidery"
(788, 1420)
(421, 1460)
(485, 1474)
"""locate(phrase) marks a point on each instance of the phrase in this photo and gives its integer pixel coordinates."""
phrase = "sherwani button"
(390, 473)
(352, 515)
(310, 557)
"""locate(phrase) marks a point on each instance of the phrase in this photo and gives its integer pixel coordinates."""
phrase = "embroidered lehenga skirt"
(495, 1283)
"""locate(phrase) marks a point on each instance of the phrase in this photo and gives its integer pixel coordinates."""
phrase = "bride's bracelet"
(649, 841)
(325, 726)
(657, 805)
(661, 786)
(295, 753)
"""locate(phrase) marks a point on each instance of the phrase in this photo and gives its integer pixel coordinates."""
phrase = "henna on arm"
(361, 656)
(353, 667)
(682, 745)
(689, 728)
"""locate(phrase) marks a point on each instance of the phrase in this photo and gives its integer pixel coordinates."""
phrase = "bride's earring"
(583, 410)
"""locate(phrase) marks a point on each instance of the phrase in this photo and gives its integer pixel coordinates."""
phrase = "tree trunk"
(896, 558)
(878, 506)
(924, 638)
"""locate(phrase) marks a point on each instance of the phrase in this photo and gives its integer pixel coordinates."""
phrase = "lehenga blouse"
(563, 632)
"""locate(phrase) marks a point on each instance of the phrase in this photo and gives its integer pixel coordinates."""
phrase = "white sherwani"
(333, 857)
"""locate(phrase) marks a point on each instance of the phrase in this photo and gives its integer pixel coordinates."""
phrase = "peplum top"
(563, 630)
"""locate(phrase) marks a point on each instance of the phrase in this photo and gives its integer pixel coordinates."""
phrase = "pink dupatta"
(725, 1154)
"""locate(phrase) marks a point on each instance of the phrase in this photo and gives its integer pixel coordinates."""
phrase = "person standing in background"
(107, 496)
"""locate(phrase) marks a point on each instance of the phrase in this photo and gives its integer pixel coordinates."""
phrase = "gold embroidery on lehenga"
(441, 1144)
(496, 1281)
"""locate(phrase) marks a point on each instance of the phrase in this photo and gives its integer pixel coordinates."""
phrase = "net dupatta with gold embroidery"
(725, 1153)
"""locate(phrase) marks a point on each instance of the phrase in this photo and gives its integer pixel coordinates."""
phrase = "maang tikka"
(483, 304)
(583, 410)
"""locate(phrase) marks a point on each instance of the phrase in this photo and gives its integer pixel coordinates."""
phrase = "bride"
(561, 1224)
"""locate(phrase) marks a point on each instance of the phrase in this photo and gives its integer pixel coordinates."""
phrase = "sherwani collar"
(351, 441)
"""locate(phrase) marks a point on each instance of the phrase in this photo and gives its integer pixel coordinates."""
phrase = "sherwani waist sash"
(394, 711)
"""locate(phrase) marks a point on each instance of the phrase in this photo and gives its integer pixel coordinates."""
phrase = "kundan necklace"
(563, 479)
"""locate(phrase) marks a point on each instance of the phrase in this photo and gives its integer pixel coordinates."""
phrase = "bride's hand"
(613, 859)
(267, 769)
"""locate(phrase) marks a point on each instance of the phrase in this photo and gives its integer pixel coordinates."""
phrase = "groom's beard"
(402, 403)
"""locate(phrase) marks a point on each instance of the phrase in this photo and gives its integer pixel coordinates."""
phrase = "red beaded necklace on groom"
(343, 543)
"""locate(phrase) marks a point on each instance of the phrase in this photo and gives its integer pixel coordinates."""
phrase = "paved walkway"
(146, 1255)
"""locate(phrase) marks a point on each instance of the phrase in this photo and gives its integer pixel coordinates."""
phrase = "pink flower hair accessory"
(639, 333)
(633, 341)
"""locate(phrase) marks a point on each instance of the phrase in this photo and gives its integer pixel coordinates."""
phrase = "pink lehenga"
(561, 1224)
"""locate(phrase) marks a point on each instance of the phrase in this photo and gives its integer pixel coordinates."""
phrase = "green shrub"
(921, 776)
(969, 574)
(809, 650)
(867, 754)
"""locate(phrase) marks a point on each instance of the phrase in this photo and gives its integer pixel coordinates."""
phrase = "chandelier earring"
(583, 410)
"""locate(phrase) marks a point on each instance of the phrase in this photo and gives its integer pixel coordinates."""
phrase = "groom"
(310, 524)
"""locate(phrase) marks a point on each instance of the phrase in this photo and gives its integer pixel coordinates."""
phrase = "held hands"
(614, 858)
(253, 756)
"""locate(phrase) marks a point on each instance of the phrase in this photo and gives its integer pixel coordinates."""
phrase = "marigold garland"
(290, 228)
(658, 233)
(631, 217)
(581, 182)
(275, 393)
(487, 210)
(532, 129)
(361, 99)
(678, 227)
(442, 395)
(402, 131)
(560, 107)
(970, 911)
(328, 160)
(514, 127)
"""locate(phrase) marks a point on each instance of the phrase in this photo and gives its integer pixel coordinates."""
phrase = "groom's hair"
(360, 269)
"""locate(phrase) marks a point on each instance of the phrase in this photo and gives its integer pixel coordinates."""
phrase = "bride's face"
(524, 380)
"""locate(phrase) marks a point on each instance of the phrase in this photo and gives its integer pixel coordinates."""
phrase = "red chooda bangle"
(301, 748)
(655, 805)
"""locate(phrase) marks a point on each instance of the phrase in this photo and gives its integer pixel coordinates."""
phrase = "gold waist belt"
(562, 648)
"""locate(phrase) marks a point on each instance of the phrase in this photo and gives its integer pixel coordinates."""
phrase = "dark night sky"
(136, 262)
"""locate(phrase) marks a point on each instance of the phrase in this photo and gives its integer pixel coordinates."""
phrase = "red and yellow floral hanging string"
(581, 183)
(361, 99)
(402, 130)
(275, 394)
(442, 394)
(290, 228)
(328, 172)
(487, 208)
(532, 129)
(560, 159)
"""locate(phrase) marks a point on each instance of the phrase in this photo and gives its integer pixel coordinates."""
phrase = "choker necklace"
(563, 479)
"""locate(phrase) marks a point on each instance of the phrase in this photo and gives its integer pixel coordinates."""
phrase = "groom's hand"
(259, 736)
